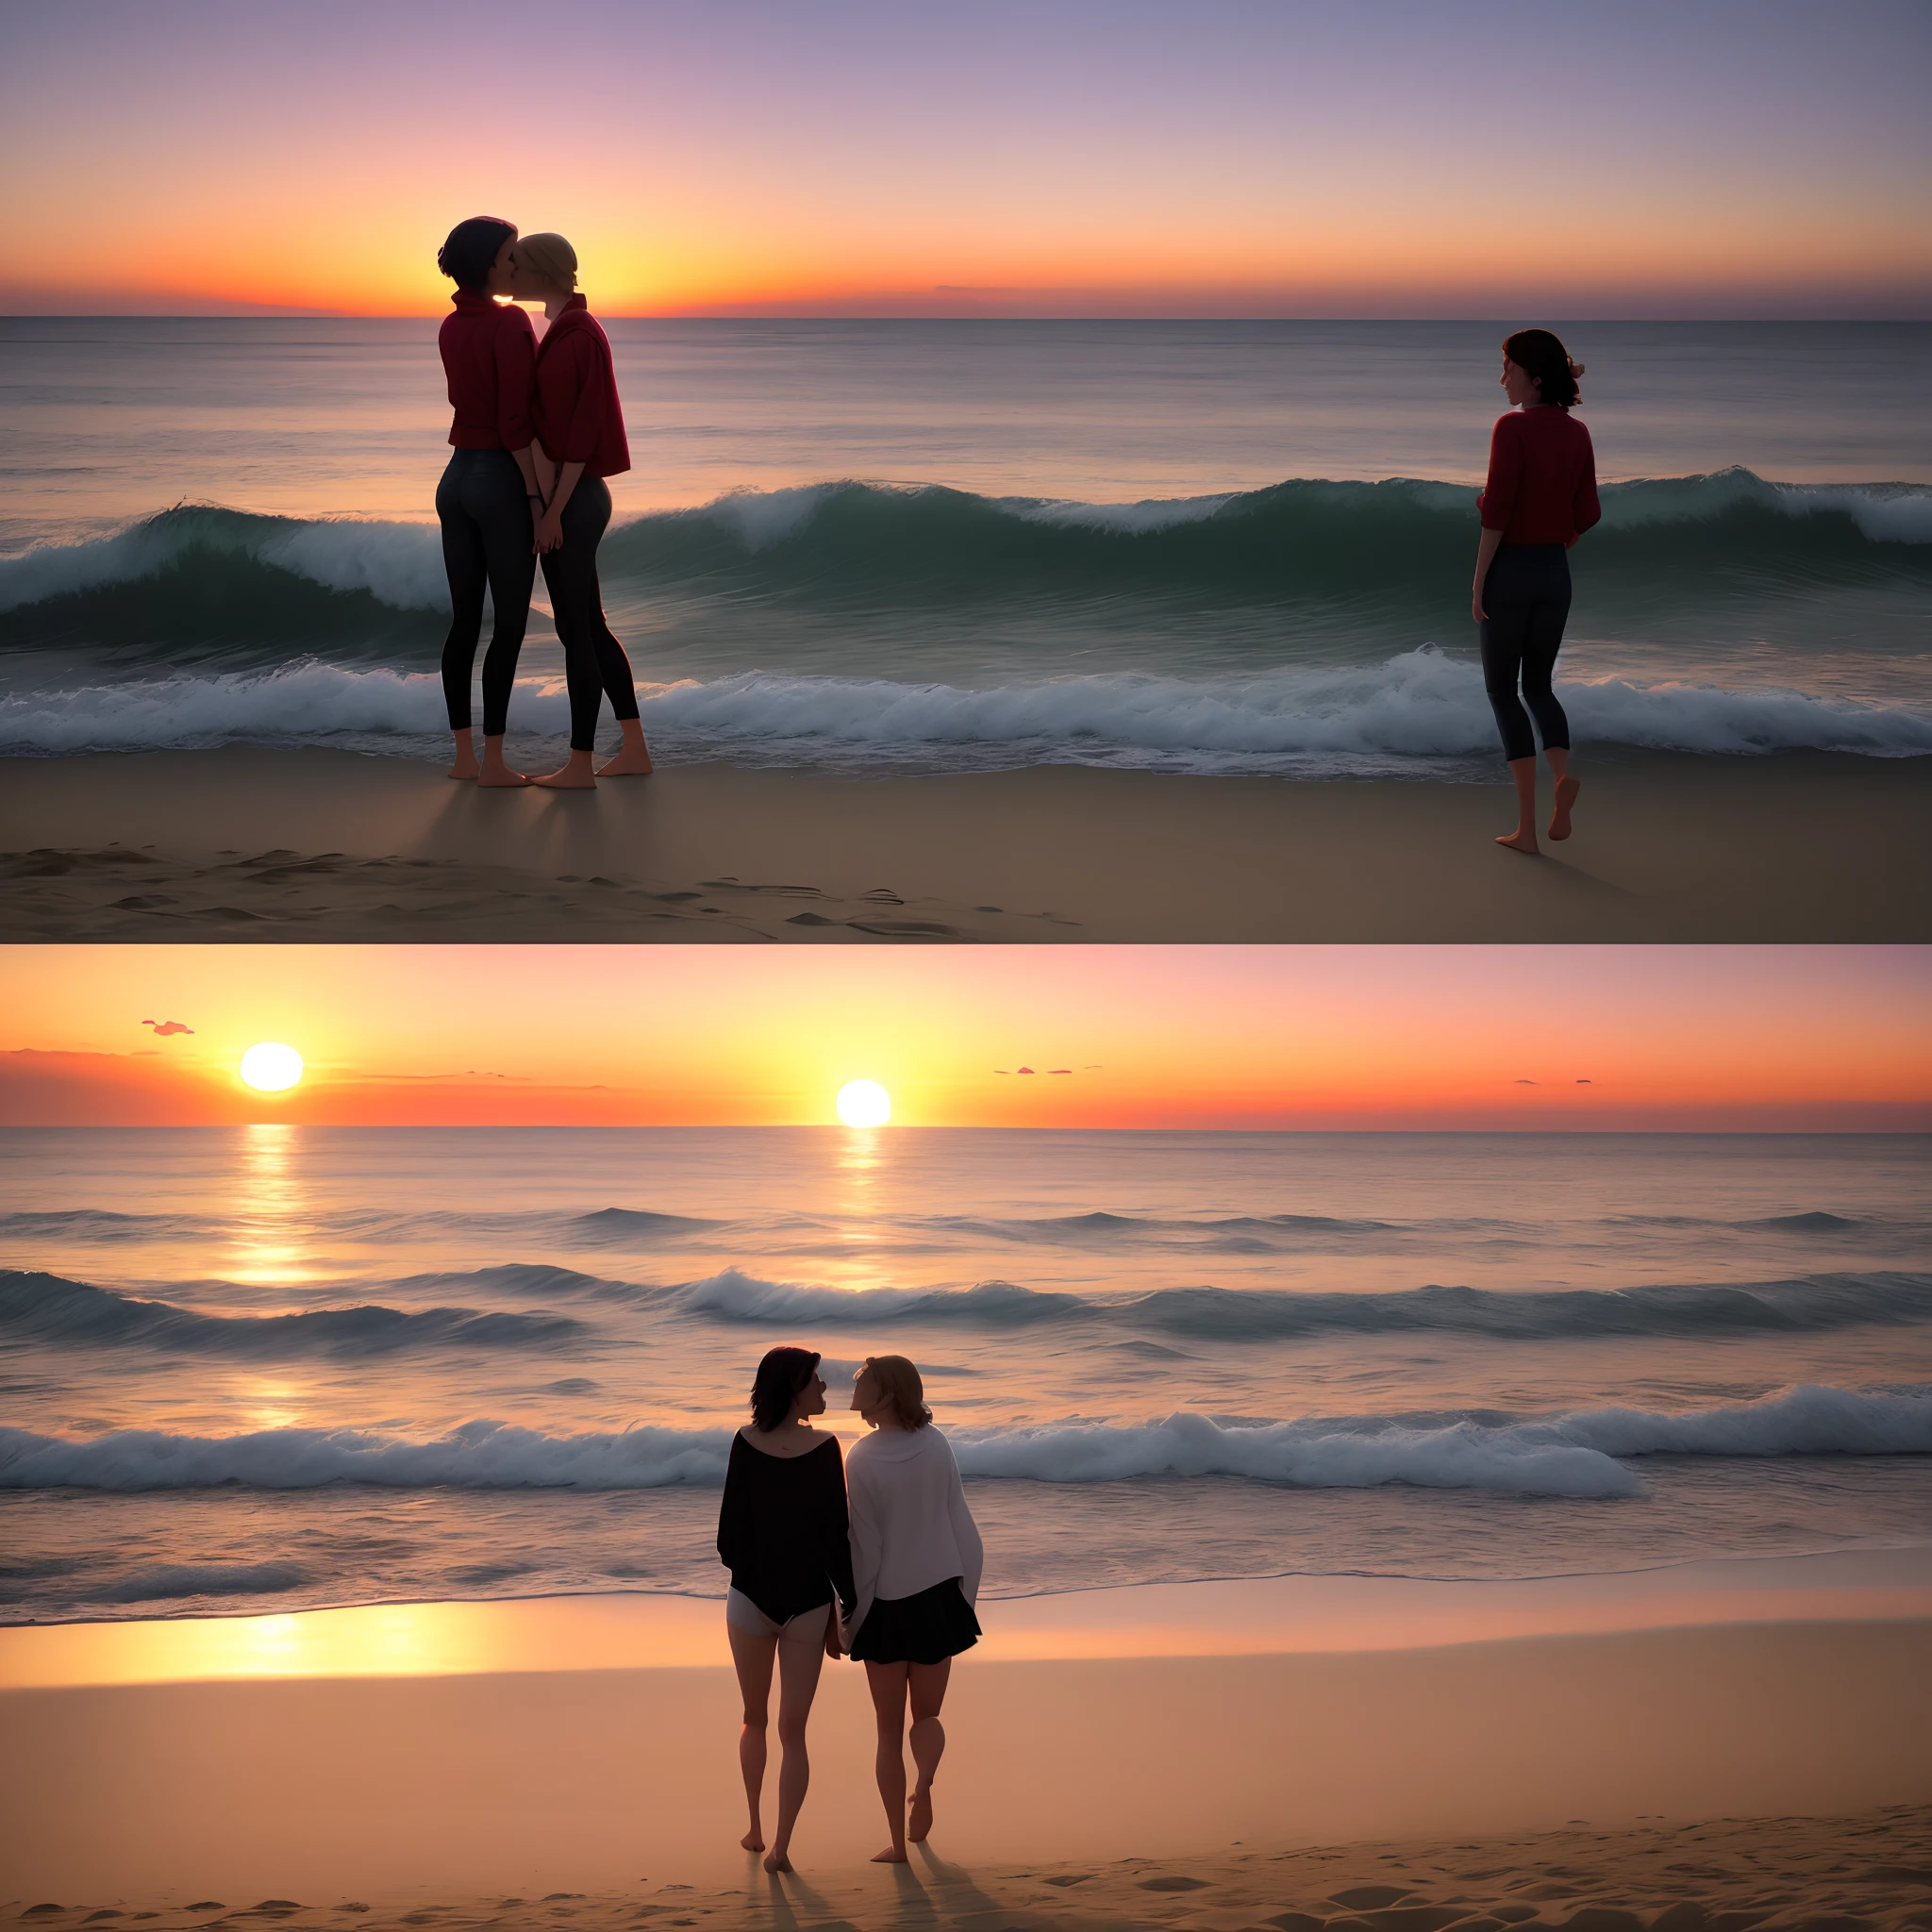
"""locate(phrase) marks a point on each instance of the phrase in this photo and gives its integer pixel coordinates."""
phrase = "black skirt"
(923, 1629)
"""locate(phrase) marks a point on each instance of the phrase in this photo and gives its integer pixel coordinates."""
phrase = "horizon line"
(295, 314)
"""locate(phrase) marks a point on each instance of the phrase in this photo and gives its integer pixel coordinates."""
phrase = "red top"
(490, 356)
(579, 419)
(1543, 477)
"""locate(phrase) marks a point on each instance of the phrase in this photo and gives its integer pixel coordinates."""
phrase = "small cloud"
(164, 1028)
(1525, 1083)
(1059, 1069)
(1586, 1083)
(1003, 1070)
(1025, 1070)
(1094, 1068)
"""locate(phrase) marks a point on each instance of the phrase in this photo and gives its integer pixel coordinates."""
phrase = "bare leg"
(886, 1683)
(1567, 789)
(573, 775)
(1523, 837)
(754, 1656)
(495, 771)
(464, 763)
(634, 760)
(926, 1687)
(798, 1681)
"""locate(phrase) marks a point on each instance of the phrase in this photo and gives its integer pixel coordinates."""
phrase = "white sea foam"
(1583, 1454)
(1420, 705)
(399, 564)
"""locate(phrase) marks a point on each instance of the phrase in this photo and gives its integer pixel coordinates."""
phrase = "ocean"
(279, 1366)
(861, 546)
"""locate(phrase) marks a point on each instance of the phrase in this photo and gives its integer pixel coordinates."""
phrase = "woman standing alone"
(916, 1559)
(1541, 496)
(580, 440)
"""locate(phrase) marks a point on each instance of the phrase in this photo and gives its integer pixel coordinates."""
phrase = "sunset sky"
(1733, 157)
(1414, 1037)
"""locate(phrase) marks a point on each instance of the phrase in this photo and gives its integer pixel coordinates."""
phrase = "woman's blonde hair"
(551, 258)
(898, 1382)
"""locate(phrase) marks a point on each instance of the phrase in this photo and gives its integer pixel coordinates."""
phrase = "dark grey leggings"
(593, 660)
(1527, 595)
(486, 541)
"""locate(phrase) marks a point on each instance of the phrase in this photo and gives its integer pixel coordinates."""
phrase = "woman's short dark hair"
(471, 249)
(1537, 353)
(781, 1375)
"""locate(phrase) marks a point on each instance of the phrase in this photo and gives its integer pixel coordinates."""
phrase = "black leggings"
(1527, 595)
(593, 660)
(485, 514)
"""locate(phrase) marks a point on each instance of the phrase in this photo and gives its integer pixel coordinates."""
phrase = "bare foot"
(1567, 789)
(499, 776)
(889, 1857)
(754, 1841)
(463, 768)
(777, 1861)
(1517, 841)
(570, 778)
(919, 1819)
(628, 763)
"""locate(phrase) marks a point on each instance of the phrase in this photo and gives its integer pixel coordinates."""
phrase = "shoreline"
(310, 846)
(1292, 1612)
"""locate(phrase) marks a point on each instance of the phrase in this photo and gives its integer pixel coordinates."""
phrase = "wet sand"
(410, 1789)
(1870, 1872)
(317, 846)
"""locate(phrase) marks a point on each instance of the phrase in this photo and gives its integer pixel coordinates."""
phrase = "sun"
(864, 1104)
(271, 1068)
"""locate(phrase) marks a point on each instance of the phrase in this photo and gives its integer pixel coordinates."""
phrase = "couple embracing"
(887, 1535)
(537, 429)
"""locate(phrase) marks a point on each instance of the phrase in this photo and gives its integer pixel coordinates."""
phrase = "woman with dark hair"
(916, 1559)
(1541, 496)
(580, 440)
(486, 499)
(782, 1533)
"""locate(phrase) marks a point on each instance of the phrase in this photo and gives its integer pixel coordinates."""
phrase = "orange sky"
(1416, 1036)
(1083, 156)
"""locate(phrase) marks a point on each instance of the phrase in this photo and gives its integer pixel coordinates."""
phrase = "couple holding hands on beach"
(537, 429)
(873, 1556)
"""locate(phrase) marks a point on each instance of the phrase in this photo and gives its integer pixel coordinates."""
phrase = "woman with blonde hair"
(580, 440)
(916, 1560)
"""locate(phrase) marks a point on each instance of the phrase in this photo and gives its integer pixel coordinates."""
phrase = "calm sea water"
(1198, 546)
(297, 1366)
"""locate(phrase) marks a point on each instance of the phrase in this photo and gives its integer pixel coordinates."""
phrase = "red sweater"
(579, 419)
(490, 356)
(1543, 477)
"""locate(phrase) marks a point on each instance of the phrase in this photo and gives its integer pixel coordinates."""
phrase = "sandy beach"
(316, 845)
(411, 1758)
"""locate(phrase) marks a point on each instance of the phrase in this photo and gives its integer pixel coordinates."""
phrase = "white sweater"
(911, 1526)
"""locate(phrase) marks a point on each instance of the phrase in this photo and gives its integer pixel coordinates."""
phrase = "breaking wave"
(48, 1308)
(1391, 716)
(1807, 1302)
(1582, 1454)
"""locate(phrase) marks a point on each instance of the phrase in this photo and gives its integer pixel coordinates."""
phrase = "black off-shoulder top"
(783, 1531)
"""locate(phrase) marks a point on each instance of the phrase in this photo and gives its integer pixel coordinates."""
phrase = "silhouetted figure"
(489, 494)
(1541, 496)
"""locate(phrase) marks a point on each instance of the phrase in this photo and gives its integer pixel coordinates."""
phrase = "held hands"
(549, 535)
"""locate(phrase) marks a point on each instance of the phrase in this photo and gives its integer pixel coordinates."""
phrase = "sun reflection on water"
(272, 1206)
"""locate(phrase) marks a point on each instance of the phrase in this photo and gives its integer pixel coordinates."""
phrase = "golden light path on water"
(1273, 1615)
